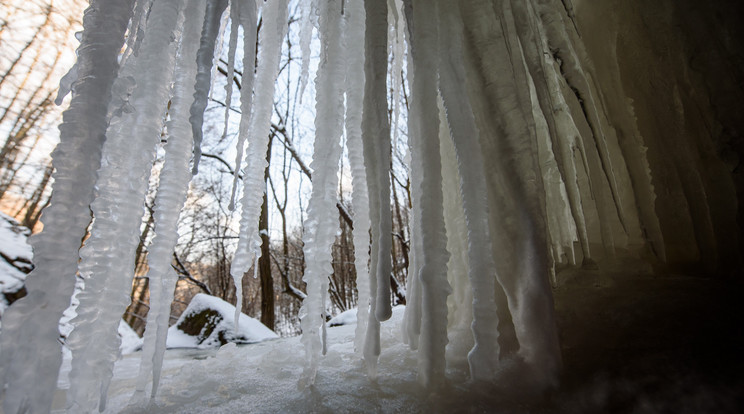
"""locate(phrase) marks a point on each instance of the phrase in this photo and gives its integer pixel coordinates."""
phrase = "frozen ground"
(630, 344)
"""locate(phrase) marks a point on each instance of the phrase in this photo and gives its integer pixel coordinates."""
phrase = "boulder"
(209, 322)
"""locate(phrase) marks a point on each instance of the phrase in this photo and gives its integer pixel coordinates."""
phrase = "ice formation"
(516, 154)
(320, 226)
(107, 260)
(274, 15)
(30, 353)
(171, 196)
(354, 35)
(376, 144)
(204, 60)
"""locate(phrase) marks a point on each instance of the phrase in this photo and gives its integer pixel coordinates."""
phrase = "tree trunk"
(264, 262)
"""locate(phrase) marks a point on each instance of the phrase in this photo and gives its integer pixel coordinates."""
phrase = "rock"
(209, 322)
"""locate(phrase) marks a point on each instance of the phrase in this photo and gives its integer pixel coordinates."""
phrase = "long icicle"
(306, 36)
(433, 273)
(354, 35)
(483, 358)
(231, 48)
(412, 317)
(204, 61)
(247, 16)
(107, 260)
(30, 353)
(321, 224)
(174, 181)
(381, 141)
(376, 138)
(257, 130)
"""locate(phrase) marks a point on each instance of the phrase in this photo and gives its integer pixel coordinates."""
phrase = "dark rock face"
(202, 325)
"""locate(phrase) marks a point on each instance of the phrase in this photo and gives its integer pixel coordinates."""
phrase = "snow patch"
(130, 341)
(16, 254)
(348, 317)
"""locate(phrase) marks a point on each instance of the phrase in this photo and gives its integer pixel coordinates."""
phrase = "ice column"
(515, 191)
(30, 354)
(354, 35)
(376, 138)
(171, 196)
(257, 130)
(460, 302)
(433, 272)
(483, 357)
(411, 325)
(321, 223)
(107, 260)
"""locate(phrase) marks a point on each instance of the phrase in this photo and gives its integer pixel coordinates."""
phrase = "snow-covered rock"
(15, 259)
(130, 341)
(209, 322)
(348, 317)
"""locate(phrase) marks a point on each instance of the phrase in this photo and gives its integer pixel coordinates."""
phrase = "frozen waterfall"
(518, 165)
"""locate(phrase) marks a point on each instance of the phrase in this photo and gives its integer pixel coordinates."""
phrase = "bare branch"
(288, 287)
(183, 273)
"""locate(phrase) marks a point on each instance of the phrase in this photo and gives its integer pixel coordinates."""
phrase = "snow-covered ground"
(633, 344)
(630, 343)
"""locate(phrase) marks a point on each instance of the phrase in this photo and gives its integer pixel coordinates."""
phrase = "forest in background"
(37, 42)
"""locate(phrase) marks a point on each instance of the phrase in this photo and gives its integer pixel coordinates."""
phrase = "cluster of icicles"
(488, 103)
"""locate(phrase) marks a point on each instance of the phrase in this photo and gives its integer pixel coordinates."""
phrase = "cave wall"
(671, 75)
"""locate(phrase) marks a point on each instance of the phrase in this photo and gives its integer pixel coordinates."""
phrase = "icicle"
(204, 61)
(247, 16)
(514, 194)
(134, 37)
(219, 45)
(412, 317)
(65, 84)
(30, 354)
(483, 358)
(560, 223)
(433, 273)
(107, 260)
(460, 302)
(322, 221)
(257, 129)
(306, 36)
(574, 70)
(376, 138)
(567, 135)
(354, 35)
(171, 196)
(232, 46)
(397, 28)
(379, 140)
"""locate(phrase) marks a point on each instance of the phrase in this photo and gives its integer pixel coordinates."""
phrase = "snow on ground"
(632, 344)
(16, 253)
(218, 328)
